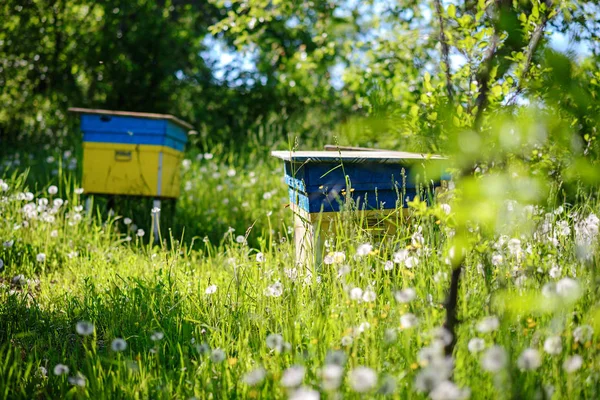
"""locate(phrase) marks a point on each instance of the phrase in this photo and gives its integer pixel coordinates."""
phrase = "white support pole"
(156, 220)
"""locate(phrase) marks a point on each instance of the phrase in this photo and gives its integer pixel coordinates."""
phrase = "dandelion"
(554, 272)
(8, 244)
(573, 364)
(405, 295)
(84, 328)
(254, 377)
(304, 393)
(118, 345)
(41, 257)
(583, 334)
(411, 262)
(61, 369)
(186, 164)
(274, 290)
(388, 266)
(52, 190)
(362, 379)
(447, 390)
(428, 379)
(140, 233)
(347, 341)
(211, 289)
(240, 239)
(364, 250)
(476, 345)
(568, 289)
(488, 324)
(400, 256)
(408, 321)
(369, 296)
(356, 293)
(339, 257)
(388, 386)
(157, 336)
(231, 173)
(42, 371)
(494, 359)
(54, 233)
(529, 360)
(78, 190)
(390, 335)
(497, 259)
(127, 221)
(217, 356)
(260, 257)
(328, 260)
(441, 335)
(293, 376)
(331, 377)
(337, 357)
(446, 208)
(553, 345)
(77, 380)
(275, 342)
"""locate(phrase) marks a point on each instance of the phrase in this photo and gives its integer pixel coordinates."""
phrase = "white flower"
(275, 290)
(476, 345)
(52, 190)
(304, 393)
(118, 344)
(405, 295)
(260, 257)
(140, 233)
(514, 247)
(61, 369)
(77, 380)
(231, 173)
(328, 260)
(362, 379)
(568, 288)
(488, 324)
(446, 208)
(54, 233)
(186, 164)
(390, 335)
(529, 359)
(78, 190)
(411, 262)
(408, 321)
(331, 376)
(447, 390)
(211, 289)
(583, 334)
(356, 293)
(497, 259)
(208, 156)
(362, 327)
(41, 257)
(400, 256)
(84, 328)
(127, 221)
(494, 359)
(364, 250)
(388, 266)
(369, 296)
(339, 257)
(217, 356)
(275, 342)
(347, 341)
(157, 336)
(293, 376)
(254, 377)
(573, 363)
(155, 210)
(553, 345)
(240, 239)
(554, 272)
(417, 239)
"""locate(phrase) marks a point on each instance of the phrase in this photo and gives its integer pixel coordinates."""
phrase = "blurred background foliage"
(435, 76)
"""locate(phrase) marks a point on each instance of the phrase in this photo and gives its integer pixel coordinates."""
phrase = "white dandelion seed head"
(476, 345)
(52, 190)
(118, 345)
(255, 377)
(529, 360)
(364, 250)
(583, 334)
(555, 272)
(408, 321)
(390, 335)
(497, 259)
(447, 390)
(428, 379)
(77, 380)
(494, 359)
(388, 266)
(78, 191)
(241, 239)
(362, 379)
(84, 328)
(488, 324)
(400, 256)
(304, 393)
(140, 233)
(446, 208)
(274, 290)
(405, 295)
(61, 369)
(260, 257)
(331, 377)
(553, 345)
(568, 289)
(217, 356)
(369, 296)
(157, 336)
(411, 262)
(347, 341)
(356, 293)
(573, 364)
(441, 335)
(127, 221)
(41, 257)
(211, 289)
(337, 357)
(275, 342)
(292, 376)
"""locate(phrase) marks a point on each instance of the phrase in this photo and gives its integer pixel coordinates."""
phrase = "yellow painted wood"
(129, 169)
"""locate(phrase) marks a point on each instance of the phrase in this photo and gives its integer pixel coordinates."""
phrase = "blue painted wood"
(132, 130)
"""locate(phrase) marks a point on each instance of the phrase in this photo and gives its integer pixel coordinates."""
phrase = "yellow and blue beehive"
(131, 153)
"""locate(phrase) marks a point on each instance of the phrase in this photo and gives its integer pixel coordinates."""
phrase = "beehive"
(131, 153)
(375, 183)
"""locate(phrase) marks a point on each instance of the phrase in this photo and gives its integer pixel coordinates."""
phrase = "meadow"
(91, 308)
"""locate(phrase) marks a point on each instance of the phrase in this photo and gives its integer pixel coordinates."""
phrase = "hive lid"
(359, 157)
(169, 117)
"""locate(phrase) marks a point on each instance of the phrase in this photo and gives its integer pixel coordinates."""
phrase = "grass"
(266, 312)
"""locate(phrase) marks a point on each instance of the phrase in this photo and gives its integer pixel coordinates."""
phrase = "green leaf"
(452, 11)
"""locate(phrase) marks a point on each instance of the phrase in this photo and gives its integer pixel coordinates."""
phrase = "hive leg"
(88, 205)
(156, 220)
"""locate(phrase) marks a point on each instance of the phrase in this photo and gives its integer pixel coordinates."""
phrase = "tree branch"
(483, 77)
(451, 305)
(445, 50)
